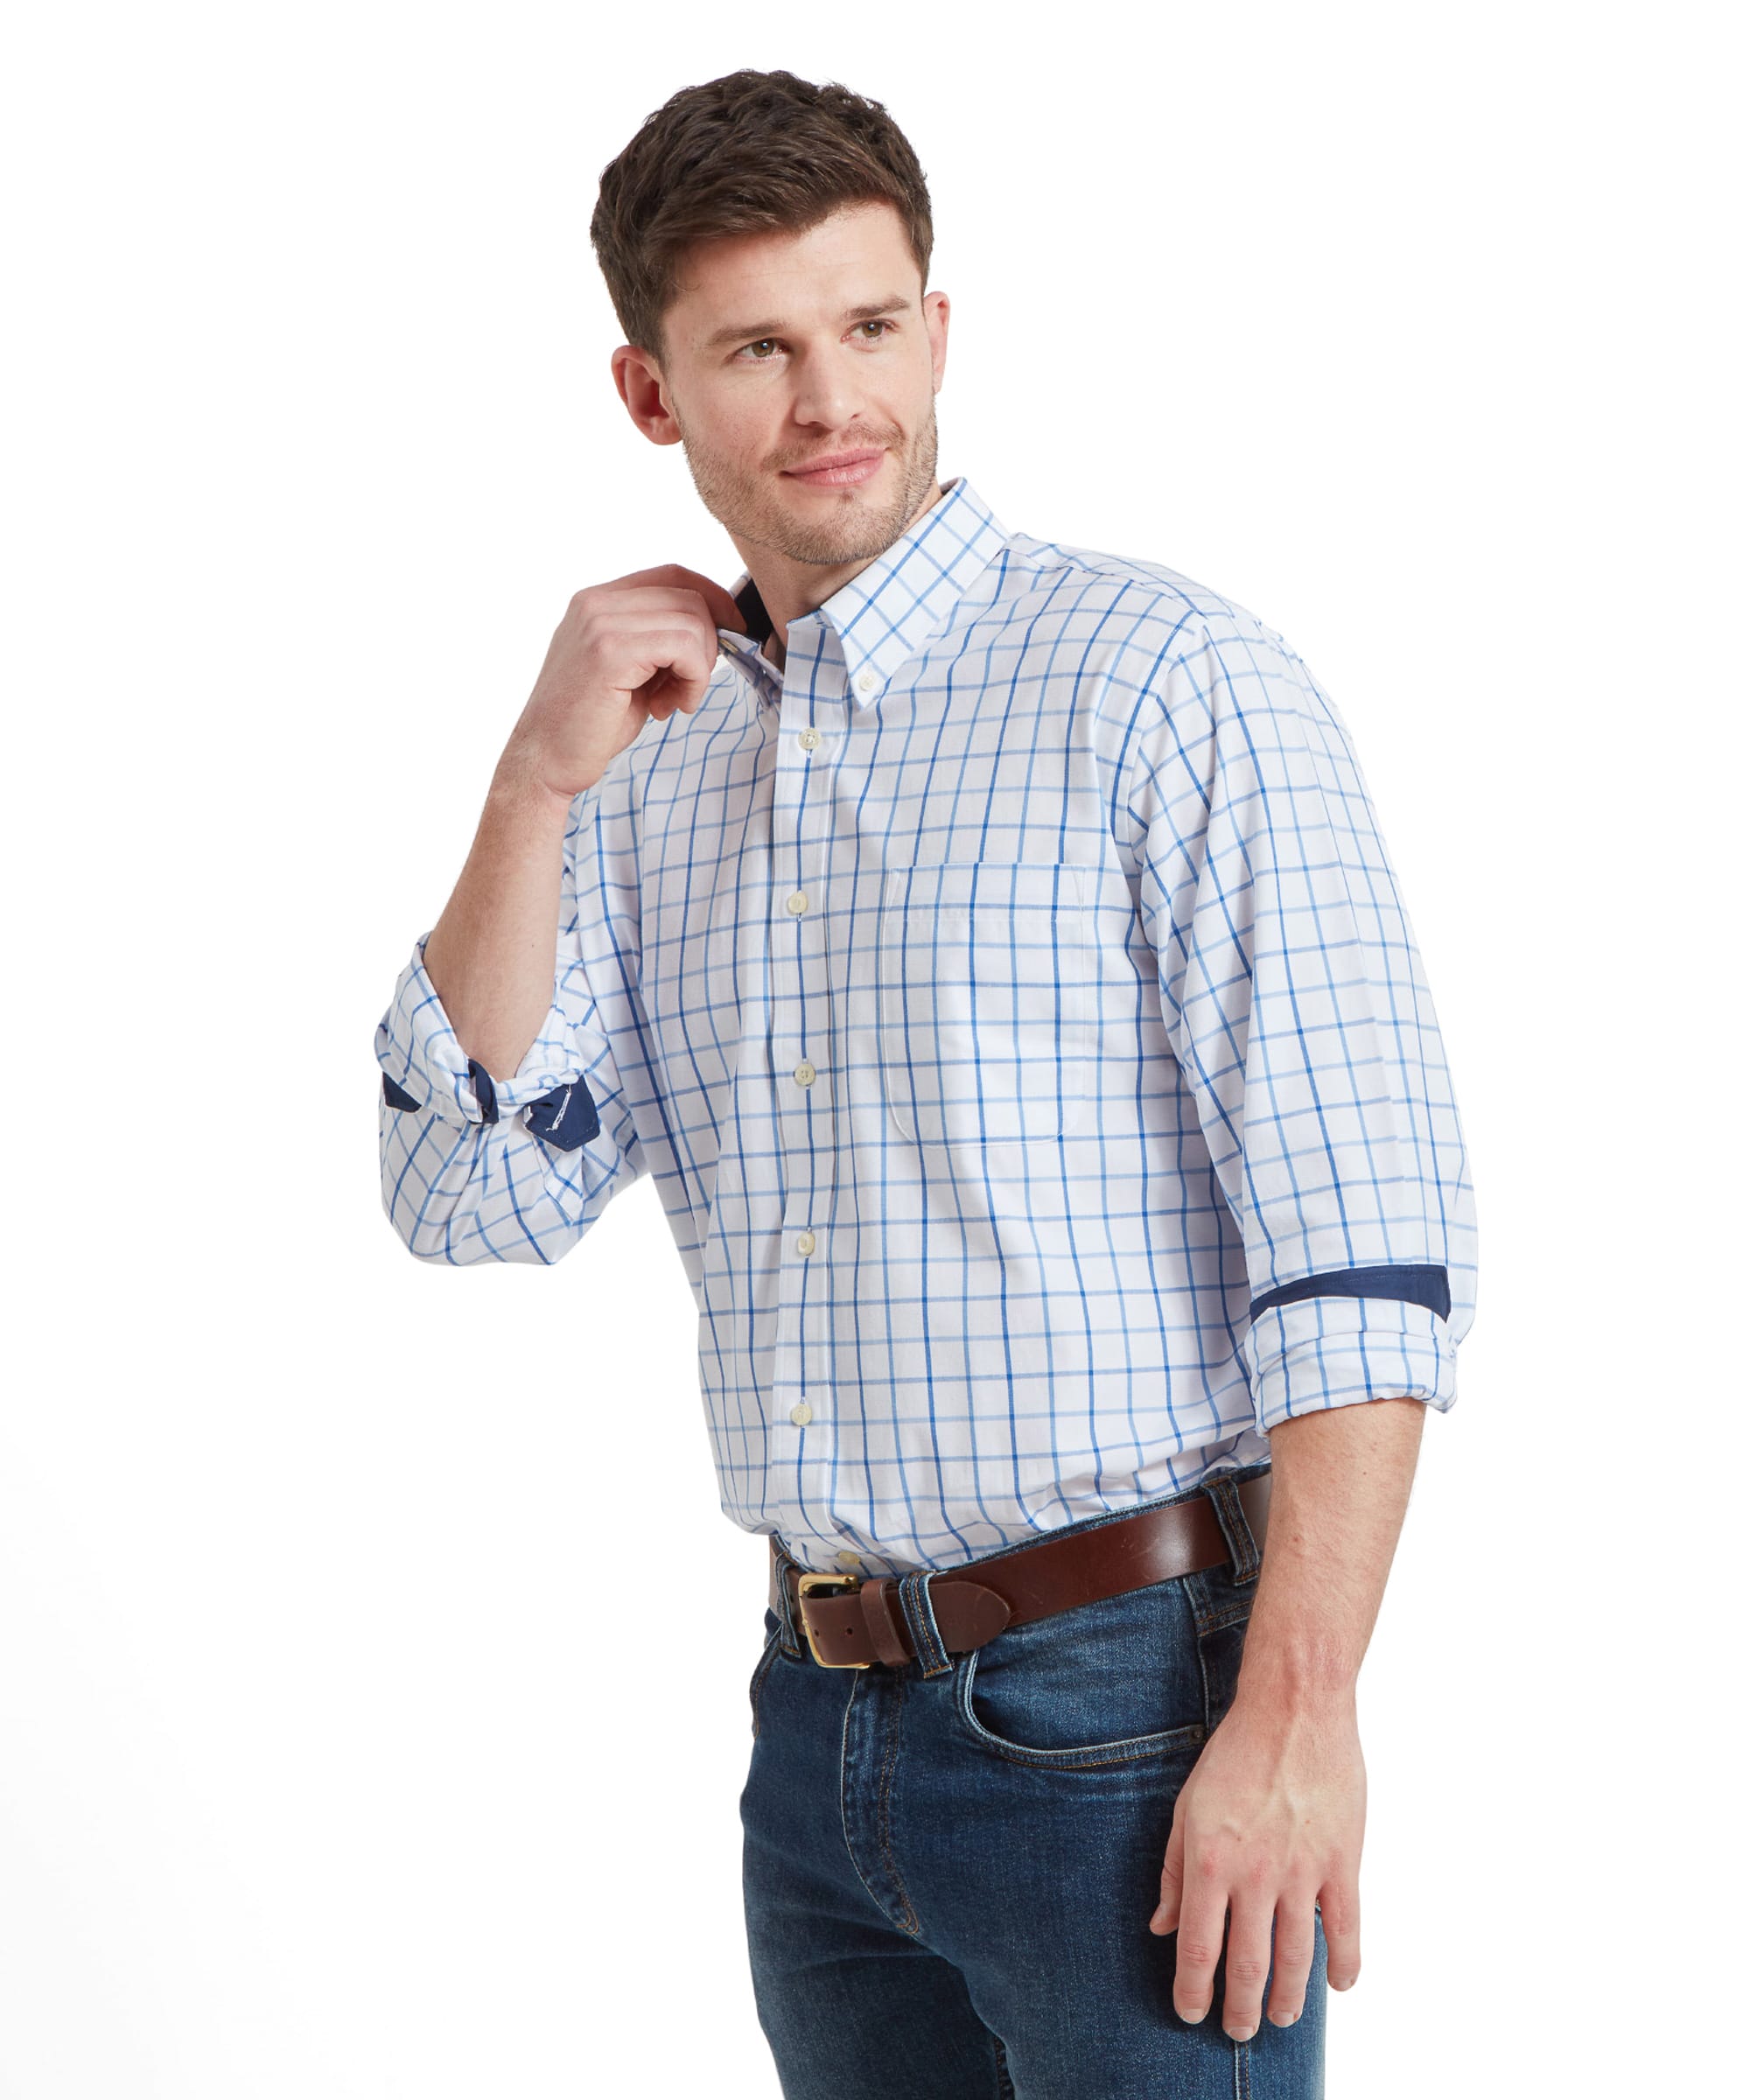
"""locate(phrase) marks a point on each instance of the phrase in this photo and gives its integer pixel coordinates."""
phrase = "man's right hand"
(626, 652)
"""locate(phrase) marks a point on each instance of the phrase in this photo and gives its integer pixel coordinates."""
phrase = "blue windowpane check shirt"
(1014, 1006)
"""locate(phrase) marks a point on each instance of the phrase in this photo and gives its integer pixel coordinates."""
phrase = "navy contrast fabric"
(485, 1088)
(1409, 1286)
(565, 1116)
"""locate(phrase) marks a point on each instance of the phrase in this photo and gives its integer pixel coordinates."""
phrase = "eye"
(882, 325)
(763, 342)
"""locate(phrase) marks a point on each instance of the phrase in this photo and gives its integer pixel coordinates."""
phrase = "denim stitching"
(770, 1648)
(841, 1788)
(1231, 1614)
(887, 1780)
(1237, 1533)
(945, 1661)
(1159, 1742)
(915, 1593)
(790, 1638)
(858, 1677)
(1208, 1618)
(916, 1617)
(1053, 1761)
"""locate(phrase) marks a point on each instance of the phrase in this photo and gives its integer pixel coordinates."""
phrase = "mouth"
(838, 469)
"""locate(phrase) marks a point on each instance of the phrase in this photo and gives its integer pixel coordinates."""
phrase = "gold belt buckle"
(814, 1578)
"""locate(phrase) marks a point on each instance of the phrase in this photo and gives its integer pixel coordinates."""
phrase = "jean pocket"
(770, 1648)
(985, 1009)
(1103, 1684)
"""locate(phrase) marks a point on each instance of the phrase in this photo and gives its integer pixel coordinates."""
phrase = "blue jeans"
(950, 1866)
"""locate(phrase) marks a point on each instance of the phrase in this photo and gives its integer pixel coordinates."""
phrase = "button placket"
(804, 1430)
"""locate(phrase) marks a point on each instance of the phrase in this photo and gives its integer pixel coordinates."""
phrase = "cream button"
(809, 738)
(804, 1072)
(866, 682)
(801, 1414)
(846, 1558)
(796, 902)
(807, 1242)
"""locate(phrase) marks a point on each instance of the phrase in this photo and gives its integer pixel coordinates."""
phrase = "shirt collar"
(896, 603)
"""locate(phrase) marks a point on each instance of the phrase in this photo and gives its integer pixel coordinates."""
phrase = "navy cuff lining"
(565, 1117)
(1419, 1285)
(485, 1087)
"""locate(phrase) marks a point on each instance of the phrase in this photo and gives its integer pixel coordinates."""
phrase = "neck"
(790, 589)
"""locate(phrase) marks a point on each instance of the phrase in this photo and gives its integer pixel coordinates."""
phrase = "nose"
(823, 392)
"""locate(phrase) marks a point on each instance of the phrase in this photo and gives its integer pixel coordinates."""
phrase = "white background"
(366, 1727)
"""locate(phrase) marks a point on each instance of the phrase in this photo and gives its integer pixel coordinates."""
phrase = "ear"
(936, 307)
(642, 390)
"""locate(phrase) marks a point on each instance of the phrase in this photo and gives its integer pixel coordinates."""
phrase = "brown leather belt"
(973, 1602)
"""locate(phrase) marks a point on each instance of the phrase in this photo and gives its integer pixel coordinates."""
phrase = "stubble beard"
(848, 531)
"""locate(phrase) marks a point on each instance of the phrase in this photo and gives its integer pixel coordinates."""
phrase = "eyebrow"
(754, 331)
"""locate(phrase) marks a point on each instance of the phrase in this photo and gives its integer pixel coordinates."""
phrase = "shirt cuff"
(1327, 1352)
(423, 1068)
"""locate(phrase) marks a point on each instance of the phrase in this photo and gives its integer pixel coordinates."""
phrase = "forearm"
(1267, 1830)
(1340, 1480)
(492, 957)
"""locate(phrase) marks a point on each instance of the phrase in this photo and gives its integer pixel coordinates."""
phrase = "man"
(990, 949)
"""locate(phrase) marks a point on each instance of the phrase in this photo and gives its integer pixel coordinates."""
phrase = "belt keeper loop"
(914, 1591)
(1237, 1533)
(876, 1599)
(791, 1638)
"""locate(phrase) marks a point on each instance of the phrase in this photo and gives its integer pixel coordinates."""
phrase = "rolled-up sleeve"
(1296, 1003)
(479, 1168)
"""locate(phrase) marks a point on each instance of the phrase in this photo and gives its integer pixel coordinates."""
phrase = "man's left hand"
(1269, 1824)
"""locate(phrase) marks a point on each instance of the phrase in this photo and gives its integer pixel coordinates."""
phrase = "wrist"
(520, 784)
(1300, 1678)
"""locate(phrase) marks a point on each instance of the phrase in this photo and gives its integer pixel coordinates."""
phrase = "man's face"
(787, 350)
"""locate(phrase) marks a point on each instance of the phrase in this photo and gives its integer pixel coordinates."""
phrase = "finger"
(1198, 1941)
(723, 607)
(1166, 1915)
(1341, 1914)
(1292, 1950)
(1247, 1967)
(625, 624)
(662, 631)
(667, 667)
(668, 702)
(626, 604)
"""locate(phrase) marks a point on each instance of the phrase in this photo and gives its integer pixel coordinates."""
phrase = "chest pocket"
(984, 1012)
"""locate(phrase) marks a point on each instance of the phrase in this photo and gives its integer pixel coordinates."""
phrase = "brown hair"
(750, 152)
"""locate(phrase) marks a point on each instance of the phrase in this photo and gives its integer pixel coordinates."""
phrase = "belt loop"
(1243, 1549)
(914, 1591)
(789, 1636)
